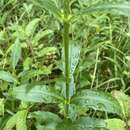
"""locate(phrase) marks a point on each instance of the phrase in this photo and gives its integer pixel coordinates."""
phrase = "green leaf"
(36, 93)
(47, 50)
(83, 123)
(118, 8)
(1, 107)
(97, 101)
(2, 36)
(1, 52)
(74, 57)
(115, 124)
(41, 34)
(31, 27)
(18, 120)
(16, 53)
(48, 5)
(42, 116)
(123, 101)
(21, 120)
(74, 60)
(11, 123)
(3, 121)
(129, 122)
(6, 76)
(45, 120)
(28, 74)
(27, 63)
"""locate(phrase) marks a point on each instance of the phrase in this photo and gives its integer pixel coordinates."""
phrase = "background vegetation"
(31, 54)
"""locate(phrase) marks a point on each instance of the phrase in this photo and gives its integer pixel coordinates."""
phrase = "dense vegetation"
(64, 64)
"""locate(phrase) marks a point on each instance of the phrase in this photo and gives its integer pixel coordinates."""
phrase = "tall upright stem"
(66, 25)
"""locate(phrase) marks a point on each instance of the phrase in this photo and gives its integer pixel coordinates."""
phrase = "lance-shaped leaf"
(41, 34)
(74, 56)
(31, 27)
(48, 5)
(117, 8)
(97, 101)
(74, 60)
(83, 123)
(16, 53)
(21, 120)
(36, 93)
(6, 76)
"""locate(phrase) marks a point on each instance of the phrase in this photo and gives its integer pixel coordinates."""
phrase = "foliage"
(64, 64)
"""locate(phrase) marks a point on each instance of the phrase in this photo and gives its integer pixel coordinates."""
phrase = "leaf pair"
(86, 98)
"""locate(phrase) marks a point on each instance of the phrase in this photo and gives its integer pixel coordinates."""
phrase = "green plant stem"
(66, 25)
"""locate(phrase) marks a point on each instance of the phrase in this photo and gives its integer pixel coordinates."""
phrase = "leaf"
(41, 34)
(97, 101)
(128, 58)
(74, 60)
(123, 101)
(45, 120)
(83, 123)
(72, 86)
(115, 124)
(42, 116)
(21, 120)
(3, 121)
(48, 5)
(31, 27)
(1, 52)
(1, 107)
(6, 76)
(11, 123)
(47, 50)
(118, 8)
(27, 63)
(18, 120)
(129, 122)
(2, 36)
(16, 53)
(28, 74)
(35, 94)
(74, 57)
